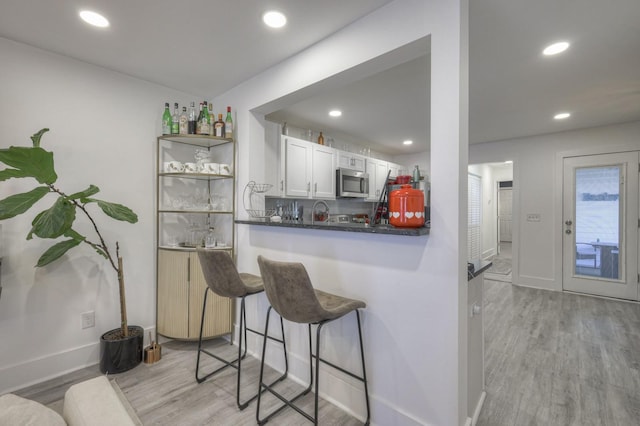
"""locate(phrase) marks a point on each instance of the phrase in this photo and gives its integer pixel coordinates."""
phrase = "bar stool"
(223, 279)
(291, 294)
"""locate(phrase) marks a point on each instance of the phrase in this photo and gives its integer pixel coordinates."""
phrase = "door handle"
(568, 223)
(568, 231)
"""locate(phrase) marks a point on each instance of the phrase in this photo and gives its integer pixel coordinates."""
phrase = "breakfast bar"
(346, 227)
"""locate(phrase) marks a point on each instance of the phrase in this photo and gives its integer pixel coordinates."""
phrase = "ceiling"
(514, 90)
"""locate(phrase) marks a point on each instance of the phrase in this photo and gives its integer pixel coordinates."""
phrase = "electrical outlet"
(88, 319)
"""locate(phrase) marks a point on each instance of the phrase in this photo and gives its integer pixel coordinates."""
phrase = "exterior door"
(600, 225)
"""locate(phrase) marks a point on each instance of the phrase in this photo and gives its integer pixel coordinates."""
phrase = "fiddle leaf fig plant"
(58, 220)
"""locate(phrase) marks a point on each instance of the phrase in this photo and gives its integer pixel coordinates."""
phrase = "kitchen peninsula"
(347, 227)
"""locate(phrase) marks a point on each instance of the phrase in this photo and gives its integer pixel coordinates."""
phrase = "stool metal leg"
(242, 351)
(200, 350)
(318, 359)
(269, 387)
(364, 370)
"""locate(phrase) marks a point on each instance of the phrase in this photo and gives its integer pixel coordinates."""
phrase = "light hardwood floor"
(166, 393)
(559, 359)
(552, 359)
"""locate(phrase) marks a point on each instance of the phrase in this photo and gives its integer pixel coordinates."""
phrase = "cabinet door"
(173, 293)
(351, 161)
(324, 172)
(377, 170)
(181, 287)
(297, 168)
(219, 309)
(395, 169)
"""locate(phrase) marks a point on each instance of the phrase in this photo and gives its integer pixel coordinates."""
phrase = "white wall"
(422, 159)
(537, 170)
(103, 128)
(415, 288)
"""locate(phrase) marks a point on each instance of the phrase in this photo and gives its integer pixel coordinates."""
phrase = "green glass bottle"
(205, 125)
(175, 120)
(228, 124)
(166, 120)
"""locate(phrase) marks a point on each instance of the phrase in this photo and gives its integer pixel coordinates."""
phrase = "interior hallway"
(502, 264)
(559, 359)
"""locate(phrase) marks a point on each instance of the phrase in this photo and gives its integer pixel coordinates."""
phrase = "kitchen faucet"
(313, 211)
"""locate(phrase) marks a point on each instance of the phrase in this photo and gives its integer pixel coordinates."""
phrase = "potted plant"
(121, 348)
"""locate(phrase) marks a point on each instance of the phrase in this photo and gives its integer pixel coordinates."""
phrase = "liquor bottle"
(166, 120)
(192, 119)
(205, 126)
(199, 121)
(320, 139)
(212, 117)
(175, 120)
(183, 128)
(218, 127)
(228, 124)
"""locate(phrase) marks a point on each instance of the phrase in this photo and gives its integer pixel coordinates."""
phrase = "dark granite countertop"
(479, 266)
(346, 227)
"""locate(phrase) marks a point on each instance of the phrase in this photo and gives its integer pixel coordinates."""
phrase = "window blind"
(474, 217)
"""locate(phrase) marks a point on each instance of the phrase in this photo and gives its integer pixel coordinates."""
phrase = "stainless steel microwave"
(351, 183)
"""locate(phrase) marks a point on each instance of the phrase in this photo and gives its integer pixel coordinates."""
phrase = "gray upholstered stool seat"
(223, 279)
(291, 294)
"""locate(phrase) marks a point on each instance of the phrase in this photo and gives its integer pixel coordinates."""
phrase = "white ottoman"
(15, 410)
(95, 402)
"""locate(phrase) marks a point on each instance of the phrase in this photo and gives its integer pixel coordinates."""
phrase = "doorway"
(600, 225)
(492, 176)
(505, 217)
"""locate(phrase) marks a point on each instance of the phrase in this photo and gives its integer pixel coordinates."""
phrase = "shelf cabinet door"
(173, 293)
(219, 309)
(181, 288)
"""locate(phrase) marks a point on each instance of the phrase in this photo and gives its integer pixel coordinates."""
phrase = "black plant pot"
(119, 354)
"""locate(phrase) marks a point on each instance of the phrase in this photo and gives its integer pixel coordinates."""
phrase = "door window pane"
(597, 227)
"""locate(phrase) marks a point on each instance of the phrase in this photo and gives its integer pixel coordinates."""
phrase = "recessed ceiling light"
(555, 48)
(274, 19)
(407, 142)
(335, 113)
(508, 162)
(562, 116)
(94, 19)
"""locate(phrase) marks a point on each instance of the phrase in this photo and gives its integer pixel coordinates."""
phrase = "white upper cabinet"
(323, 172)
(348, 160)
(377, 171)
(308, 169)
(396, 170)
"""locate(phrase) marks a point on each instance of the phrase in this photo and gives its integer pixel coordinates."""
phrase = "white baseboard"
(487, 254)
(476, 412)
(50, 366)
(343, 388)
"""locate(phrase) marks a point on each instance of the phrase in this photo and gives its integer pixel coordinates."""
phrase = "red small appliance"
(406, 207)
